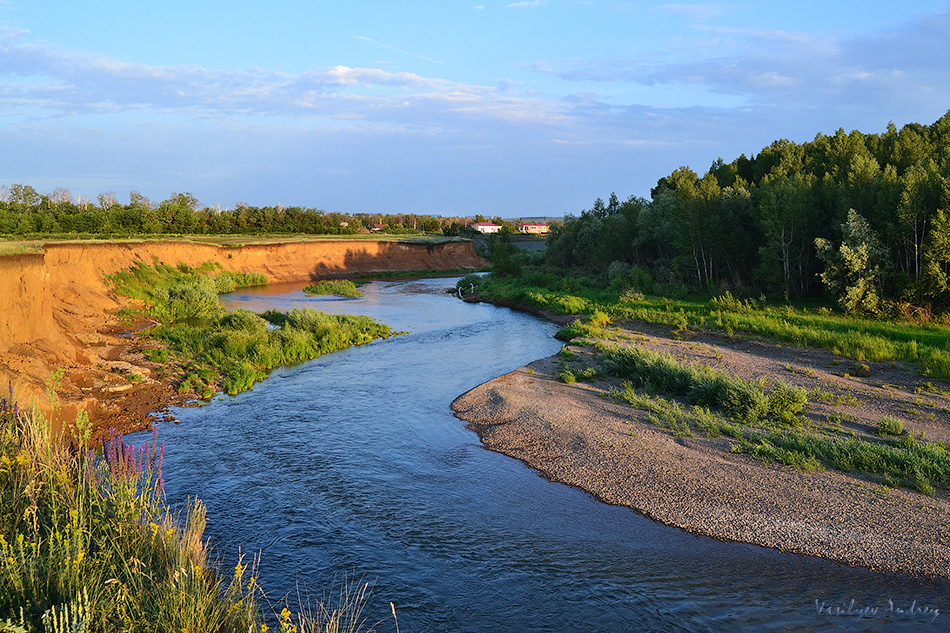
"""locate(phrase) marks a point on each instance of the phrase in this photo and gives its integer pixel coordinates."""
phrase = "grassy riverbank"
(766, 419)
(88, 544)
(925, 345)
(230, 351)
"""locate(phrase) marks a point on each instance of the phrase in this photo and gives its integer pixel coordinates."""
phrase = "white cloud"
(902, 71)
(38, 81)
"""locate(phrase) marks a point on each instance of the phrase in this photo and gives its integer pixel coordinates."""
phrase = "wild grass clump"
(727, 303)
(679, 419)
(340, 287)
(742, 399)
(87, 543)
(921, 465)
(889, 425)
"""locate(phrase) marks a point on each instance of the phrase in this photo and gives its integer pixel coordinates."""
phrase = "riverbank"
(57, 312)
(571, 433)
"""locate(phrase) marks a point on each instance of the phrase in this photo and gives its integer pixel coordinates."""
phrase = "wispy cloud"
(388, 47)
(527, 4)
(38, 80)
(698, 12)
(894, 69)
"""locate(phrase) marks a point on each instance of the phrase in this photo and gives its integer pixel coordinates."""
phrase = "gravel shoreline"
(572, 435)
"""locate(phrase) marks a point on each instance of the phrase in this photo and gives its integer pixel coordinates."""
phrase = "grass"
(700, 385)
(863, 339)
(906, 461)
(339, 287)
(889, 425)
(88, 544)
(231, 351)
(18, 248)
(679, 419)
(768, 423)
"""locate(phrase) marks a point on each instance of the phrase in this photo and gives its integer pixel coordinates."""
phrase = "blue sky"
(521, 108)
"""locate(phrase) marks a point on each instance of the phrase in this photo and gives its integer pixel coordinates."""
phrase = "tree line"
(25, 211)
(864, 217)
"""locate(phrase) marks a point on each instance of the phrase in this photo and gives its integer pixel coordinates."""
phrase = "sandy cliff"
(56, 307)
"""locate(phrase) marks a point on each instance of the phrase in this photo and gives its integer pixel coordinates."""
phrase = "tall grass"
(863, 339)
(905, 461)
(232, 351)
(700, 385)
(87, 544)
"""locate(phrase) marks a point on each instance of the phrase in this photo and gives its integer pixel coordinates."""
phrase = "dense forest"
(25, 211)
(863, 217)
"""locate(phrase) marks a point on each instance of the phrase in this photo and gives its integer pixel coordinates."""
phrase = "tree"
(855, 271)
(935, 275)
(783, 214)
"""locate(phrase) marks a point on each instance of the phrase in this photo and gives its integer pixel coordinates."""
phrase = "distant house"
(376, 228)
(534, 228)
(486, 227)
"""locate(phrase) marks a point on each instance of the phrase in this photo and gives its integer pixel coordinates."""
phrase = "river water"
(354, 464)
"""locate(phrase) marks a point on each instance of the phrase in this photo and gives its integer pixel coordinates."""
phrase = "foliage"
(232, 351)
(87, 543)
(741, 399)
(854, 273)
(341, 287)
(861, 338)
(24, 211)
(889, 425)
(759, 224)
(920, 465)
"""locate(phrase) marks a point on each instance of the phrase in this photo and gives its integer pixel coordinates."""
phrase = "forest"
(862, 218)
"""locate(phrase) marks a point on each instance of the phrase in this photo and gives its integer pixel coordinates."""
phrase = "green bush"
(889, 426)
(786, 401)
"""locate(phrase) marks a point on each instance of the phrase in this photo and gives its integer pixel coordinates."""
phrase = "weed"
(889, 425)
(87, 542)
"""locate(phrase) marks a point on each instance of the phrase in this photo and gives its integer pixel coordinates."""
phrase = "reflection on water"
(353, 463)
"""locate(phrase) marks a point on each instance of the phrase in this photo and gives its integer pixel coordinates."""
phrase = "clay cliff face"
(56, 307)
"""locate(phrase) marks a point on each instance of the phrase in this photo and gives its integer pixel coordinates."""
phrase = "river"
(354, 464)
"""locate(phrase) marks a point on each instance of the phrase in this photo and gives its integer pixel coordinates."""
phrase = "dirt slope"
(56, 307)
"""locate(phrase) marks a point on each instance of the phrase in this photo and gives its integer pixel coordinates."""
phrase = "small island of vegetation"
(339, 287)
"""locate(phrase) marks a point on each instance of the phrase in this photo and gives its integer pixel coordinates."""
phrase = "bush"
(889, 426)
(786, 401)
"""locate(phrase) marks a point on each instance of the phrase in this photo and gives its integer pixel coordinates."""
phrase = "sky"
(512, 109)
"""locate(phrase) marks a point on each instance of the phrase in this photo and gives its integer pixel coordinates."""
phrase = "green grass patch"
(889, 425)
(863, 339)
(679, 419)
(234, 350)
(339, 287)
(921, 465)
(701, 385)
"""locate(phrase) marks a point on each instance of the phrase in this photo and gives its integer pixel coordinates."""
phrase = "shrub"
(860, 370)
(786, 401)
(889, 426)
